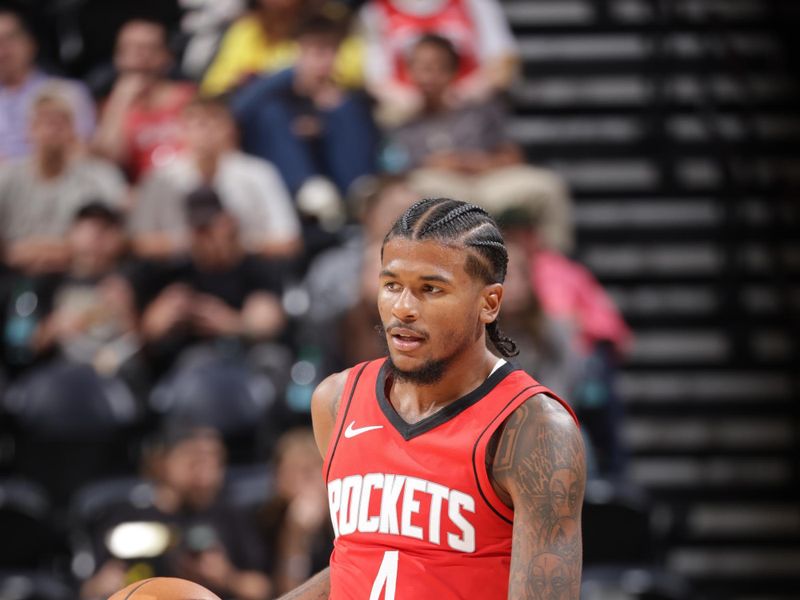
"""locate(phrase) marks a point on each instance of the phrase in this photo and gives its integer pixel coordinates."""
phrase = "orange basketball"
(164, 588)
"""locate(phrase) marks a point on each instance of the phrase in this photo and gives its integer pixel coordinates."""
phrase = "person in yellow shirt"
(263, 42)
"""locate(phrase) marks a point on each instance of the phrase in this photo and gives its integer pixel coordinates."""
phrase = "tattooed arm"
(539, 469)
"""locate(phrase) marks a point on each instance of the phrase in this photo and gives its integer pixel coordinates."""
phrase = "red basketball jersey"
(412, 505)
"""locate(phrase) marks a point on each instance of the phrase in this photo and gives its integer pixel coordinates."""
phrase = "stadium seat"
(608, 509)
(629, 583)
(249, 486)
(30, 585)
(91, 505)
(71, 426)
(222, 395)
(30, 540)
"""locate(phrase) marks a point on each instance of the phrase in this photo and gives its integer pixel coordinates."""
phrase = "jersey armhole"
(341, 414)
(479, 467)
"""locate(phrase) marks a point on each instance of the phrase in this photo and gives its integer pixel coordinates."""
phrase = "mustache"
(382, 329)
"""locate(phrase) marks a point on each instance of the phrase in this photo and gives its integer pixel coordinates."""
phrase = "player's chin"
(406, 361)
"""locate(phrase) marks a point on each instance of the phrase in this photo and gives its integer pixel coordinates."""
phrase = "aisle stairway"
(676, 123)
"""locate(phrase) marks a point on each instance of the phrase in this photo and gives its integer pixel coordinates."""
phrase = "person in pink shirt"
(570, 295)
(140, 123)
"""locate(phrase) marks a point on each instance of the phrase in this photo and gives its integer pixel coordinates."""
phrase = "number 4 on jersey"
(386, 577)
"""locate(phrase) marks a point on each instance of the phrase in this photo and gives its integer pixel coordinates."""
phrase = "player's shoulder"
(328, 393)
(539, 426)
(324, 406)
(542, 409)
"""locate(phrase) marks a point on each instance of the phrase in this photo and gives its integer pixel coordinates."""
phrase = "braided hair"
(467, 224)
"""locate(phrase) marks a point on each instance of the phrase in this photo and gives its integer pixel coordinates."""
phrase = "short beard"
(429, 373)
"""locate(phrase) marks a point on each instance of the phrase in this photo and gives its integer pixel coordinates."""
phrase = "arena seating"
(663, 116)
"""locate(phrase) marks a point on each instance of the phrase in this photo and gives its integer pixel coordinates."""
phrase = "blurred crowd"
(190, 228)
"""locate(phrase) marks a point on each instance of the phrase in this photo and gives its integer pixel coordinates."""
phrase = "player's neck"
(414, 402)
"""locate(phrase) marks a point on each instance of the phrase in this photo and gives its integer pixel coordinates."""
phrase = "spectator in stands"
(570, 295)
(476, 28)
(310, 127)
(219, 292)
(263, 42)
(464, 152)
(39, 195)
(294, 523)
(21, 82)
(343, 282)
(216, 545)
(89, 316)
(546, 344)
(140, 121)
(203, 24)
(251, 190)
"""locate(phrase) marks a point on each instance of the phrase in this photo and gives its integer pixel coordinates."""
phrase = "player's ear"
(491, 298)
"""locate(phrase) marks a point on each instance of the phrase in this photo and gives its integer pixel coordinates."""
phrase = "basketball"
(164, 588)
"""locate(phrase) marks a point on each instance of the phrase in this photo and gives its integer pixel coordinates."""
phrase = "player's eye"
(431, 289)
(391, 286)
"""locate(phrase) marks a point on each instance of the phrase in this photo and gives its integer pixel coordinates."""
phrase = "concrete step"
(724, 388)
(716, 432)
(732, 521)
(702, 473)
(635, 92)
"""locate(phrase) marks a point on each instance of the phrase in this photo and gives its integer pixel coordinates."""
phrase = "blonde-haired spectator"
(21, 82)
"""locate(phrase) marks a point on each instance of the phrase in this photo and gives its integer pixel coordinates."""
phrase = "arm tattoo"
(335, 407)
(540, 461)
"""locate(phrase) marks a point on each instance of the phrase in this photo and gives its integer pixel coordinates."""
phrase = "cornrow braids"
(471, 226)
(451, 216)
(410, 215)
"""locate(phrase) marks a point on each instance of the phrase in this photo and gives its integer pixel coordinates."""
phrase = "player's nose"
(405, 307)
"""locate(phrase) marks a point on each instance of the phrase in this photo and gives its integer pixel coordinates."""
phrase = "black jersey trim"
(412, 430)
(344, 418)
(478, 441)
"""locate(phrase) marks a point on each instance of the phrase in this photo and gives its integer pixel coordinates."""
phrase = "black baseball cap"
(203, 205)
(99, 210)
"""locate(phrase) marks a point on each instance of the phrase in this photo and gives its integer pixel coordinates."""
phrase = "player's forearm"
(316, 588)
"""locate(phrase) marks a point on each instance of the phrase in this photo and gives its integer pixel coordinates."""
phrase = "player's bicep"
(540, 462)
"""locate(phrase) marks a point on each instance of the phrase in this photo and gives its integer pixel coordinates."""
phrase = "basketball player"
(450, 474)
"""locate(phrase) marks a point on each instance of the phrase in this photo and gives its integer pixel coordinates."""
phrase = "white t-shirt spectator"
(33, 207)
(250, 188)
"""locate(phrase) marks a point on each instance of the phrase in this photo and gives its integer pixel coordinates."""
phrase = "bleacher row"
(676, 124)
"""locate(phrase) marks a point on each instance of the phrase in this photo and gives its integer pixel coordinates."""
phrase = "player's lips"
(406, 340)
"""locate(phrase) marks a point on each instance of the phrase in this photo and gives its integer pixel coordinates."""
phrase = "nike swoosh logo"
(352, 432)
